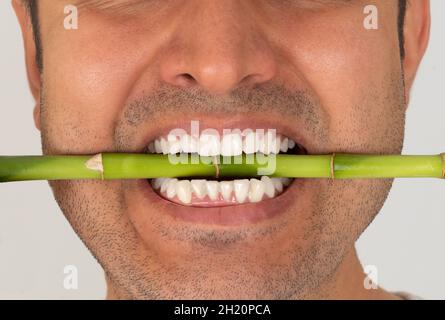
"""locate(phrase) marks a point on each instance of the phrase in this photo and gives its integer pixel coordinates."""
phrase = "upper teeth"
(231, 144)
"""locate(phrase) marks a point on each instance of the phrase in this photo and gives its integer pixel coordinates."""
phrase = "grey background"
(405, 242)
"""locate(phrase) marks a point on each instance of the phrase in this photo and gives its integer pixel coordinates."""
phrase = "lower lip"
(233, 215)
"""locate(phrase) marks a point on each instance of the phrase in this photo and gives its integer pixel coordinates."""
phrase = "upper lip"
(220, 123)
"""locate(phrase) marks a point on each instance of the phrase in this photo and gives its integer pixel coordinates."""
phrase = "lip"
(236, 215)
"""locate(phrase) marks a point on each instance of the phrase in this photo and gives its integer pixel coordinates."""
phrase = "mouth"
(236, 191)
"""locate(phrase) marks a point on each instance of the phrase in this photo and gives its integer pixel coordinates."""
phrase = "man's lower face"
(154, 242)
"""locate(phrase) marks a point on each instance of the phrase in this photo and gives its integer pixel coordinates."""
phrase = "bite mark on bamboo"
(95, 163)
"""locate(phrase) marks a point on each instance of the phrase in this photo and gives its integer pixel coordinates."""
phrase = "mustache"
(299, 106)
(266, 98)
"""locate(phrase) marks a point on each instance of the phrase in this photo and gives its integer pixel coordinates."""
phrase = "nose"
(218, 47)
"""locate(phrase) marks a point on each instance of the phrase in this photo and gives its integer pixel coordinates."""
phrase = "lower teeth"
(211, 191)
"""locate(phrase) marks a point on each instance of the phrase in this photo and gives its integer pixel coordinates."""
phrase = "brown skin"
(352, 98)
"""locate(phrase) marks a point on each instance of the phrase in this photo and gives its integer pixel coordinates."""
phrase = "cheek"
(89, 77)
(354, 73)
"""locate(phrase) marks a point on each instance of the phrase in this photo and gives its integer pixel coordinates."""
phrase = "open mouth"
(198, 192)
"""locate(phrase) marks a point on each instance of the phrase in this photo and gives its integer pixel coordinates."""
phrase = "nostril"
(187, 76)
(185, 79)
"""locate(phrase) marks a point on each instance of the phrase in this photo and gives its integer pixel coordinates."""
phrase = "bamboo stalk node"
(332, 165)
(215, 163)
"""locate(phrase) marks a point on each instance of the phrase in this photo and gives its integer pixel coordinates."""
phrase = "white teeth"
(284, 144)
(172, 138)
(271, 143)
(171, 188)
(241, 188)
(164, 146)
(157, 183)
(226, 188)
(249, 145)
(278, 184)
(184, 191)
(230, 144)
(256, 190)
(189, 144)
(164, 184)
(158, 146)
(260, 143)
(212, 189)
(277, 145)
(174, 144)
(209, 144)
(175, 147)
(268, 141)
(244, 190)
(269, 188)
(199, 188)
(151, 147)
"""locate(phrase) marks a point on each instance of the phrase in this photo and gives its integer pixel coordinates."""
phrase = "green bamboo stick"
(108, 166)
